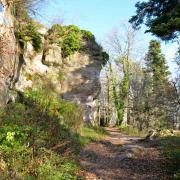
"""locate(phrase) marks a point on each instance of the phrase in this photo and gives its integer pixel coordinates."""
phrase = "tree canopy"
(162, 17)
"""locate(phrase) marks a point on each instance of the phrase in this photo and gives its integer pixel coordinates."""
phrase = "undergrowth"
(170, 146)
(28, 33)
(40, 138)
(89, 134)
(129, 130)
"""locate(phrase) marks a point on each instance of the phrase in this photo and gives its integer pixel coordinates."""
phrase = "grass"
(129, 130)
(89, 134)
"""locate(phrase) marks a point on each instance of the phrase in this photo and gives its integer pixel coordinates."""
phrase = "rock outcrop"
(8, 63)
(73, 78)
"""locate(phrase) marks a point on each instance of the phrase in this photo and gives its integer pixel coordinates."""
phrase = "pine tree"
(156, 64)
(160, 16)
(158, 71)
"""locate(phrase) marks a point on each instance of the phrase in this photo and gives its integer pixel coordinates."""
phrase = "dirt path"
(122, 157)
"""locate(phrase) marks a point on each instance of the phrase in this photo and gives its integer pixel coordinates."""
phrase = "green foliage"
(72, 28)
(67, 113)
(157, 68)
(71, 44)
(154, 98)
(132, 131)
(70, 39)
(56, 34)
(89, 134)
(156, 63)
(34, 36)
(170, 146)
(121, 89)
(28, 33)
(161, 17)
(105, 57)
(88, 35)
(38, 139)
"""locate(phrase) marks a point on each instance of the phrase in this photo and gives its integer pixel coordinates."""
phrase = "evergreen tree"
(156, 64)
(158, 72)
(162, 17)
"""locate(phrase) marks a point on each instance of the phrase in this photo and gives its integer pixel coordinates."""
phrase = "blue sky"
(98, 16)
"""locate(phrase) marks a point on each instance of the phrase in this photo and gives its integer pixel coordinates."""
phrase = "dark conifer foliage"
(162, 17)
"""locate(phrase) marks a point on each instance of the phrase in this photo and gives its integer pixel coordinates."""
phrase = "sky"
(100, 17)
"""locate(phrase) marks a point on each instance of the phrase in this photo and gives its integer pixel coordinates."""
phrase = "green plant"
(71, 44)
(56, 34)
(67, 113)
(34, 36)
(89, 134)
(132, 131)
(70, 39)
(170, 147)
(35, 134)
(72, 28)
(28, 33)
(88, 35)
(40, 137)
(105, 57)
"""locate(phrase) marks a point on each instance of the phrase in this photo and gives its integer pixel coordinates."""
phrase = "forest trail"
(119, 156)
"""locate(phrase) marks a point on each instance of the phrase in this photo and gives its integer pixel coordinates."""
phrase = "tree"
(156, 64)
(162, 17)
(158, 71)
(121, 46)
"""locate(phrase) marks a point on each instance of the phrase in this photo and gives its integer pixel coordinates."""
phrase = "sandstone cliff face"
(75, 78)
(8, 63)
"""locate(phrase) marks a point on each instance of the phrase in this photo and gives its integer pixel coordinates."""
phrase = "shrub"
(88, 35)
(70, 39)
(72, 28)
(35, 134)
(71, 44)
(55, 34)
(68, 114)
(38, 139)
(105, 57)
(28, 33)
(34, 36)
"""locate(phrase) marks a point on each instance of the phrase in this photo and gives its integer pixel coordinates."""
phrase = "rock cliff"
(73, 76)
(8, 61)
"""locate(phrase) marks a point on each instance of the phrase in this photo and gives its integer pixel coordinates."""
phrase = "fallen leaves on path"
(120, 156)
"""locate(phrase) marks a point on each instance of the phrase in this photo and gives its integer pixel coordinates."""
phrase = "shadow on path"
(120, 156)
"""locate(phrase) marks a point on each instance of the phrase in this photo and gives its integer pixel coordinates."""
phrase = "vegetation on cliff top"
(28, 32)
(71, 39)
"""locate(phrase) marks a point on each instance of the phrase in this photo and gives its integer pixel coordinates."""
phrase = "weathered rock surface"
(75, 78)
(8, 63)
